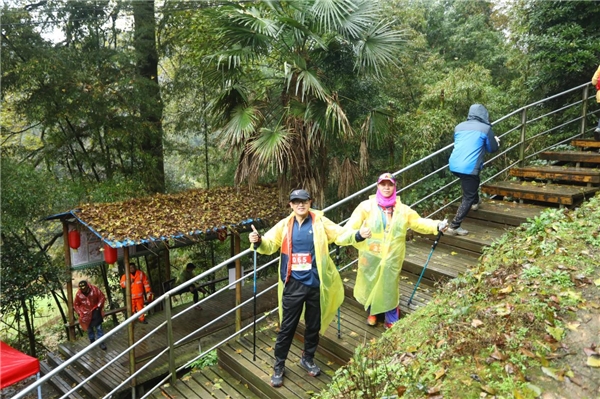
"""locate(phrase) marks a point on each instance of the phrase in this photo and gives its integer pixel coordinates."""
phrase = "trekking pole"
(337, 265)
(254, 326)
(435, 243)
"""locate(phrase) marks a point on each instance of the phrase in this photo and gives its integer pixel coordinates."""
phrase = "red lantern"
(222, 235)
(110, 254)
(74, 239)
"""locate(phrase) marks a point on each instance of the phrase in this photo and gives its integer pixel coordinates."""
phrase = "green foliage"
(563, 42)
(210, 359)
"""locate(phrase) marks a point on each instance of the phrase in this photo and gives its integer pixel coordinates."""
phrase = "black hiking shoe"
(277, 378)
(310, 366)
(102, 346)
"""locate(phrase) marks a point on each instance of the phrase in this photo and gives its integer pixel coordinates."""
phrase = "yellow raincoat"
(595, 83)
(380, 257)
(325, 232)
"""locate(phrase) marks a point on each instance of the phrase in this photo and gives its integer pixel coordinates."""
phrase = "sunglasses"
(298, 202)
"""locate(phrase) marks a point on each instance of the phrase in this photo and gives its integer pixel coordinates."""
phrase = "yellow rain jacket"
(595, 83)
(380, 257)
(324, 233)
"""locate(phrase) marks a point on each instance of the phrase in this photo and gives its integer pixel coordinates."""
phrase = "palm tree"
(286, 69)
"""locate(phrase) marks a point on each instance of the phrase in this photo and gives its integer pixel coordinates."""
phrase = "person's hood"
(480, 113)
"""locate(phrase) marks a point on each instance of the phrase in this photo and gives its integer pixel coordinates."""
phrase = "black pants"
(297, 296)
(470, 191)
(194, 292)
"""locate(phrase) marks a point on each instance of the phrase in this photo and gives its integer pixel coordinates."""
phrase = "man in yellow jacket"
(308, 278)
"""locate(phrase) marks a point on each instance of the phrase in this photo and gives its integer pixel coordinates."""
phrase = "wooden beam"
(67, 251)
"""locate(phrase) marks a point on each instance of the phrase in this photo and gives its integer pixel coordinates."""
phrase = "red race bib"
(301, 262)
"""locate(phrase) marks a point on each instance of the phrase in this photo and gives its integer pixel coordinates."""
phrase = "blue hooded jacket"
(472, 139)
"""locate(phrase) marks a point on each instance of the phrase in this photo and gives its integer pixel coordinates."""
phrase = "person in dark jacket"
(472, 139)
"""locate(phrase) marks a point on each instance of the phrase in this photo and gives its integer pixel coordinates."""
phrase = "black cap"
(299, 194)
(190, 266)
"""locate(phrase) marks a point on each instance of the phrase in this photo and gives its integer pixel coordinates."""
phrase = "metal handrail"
(165, 298)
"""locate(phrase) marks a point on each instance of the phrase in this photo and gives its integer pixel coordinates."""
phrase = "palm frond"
(376, 126)
(332, 15)
(379, 47)
(241, 126)
(306, 83)
(272, 148)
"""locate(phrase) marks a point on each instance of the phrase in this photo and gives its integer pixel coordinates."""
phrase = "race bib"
(301, 262)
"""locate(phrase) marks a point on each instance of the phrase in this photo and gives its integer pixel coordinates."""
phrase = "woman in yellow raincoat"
(308, 278)
(596, 83)
(381, 255)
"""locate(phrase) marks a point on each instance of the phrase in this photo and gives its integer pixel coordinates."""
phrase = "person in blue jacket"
(472, 139)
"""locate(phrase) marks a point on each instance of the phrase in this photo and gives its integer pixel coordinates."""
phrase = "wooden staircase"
(572, 177)
(577, 172)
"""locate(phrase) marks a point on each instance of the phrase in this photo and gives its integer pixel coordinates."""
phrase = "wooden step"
(207, 383)
(507, 213)
(571, 156)
(558, 173)
(540, 192)
(90, 389)
(59, 383)
(237, 358)
(353, 331)
(446, 261)
(585, 143)
(481, 234)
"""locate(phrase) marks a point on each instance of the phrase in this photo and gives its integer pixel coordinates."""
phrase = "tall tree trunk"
(30, 329)
(151, 105)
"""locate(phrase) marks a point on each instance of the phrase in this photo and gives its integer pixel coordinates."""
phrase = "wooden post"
(130, 335)
(170, 340)
(67, 250)
(238, 286)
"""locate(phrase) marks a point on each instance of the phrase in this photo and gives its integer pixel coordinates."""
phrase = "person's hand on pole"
(254, 237)
(443, 225)
(365, 231)
(497, 140)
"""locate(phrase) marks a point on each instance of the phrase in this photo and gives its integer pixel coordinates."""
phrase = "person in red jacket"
(139, 284)
(89, 305)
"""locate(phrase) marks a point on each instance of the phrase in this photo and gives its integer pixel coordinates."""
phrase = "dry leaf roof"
(188, 214)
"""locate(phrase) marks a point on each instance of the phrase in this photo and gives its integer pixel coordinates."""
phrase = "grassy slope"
(521, 324)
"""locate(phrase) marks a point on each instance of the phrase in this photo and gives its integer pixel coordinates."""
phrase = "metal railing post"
(584, 111)
(523, 129)
(170, 339)
(238, 286)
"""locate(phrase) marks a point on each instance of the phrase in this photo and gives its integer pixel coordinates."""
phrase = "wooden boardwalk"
(188, 321)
